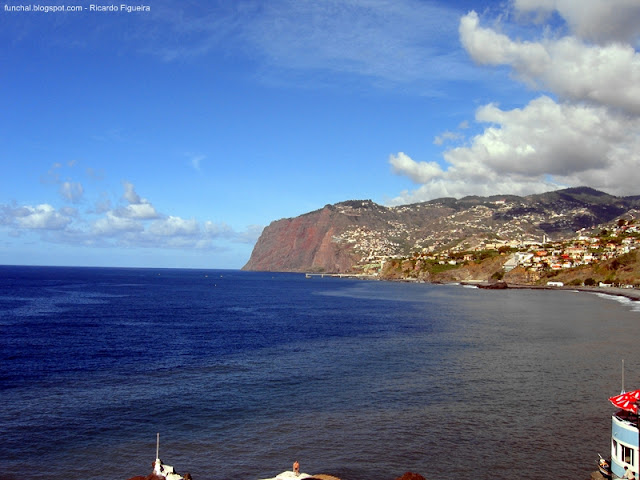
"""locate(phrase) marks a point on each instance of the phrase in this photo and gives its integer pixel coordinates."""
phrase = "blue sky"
(171, 137)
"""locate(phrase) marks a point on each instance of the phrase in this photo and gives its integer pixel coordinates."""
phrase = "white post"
(157, 468)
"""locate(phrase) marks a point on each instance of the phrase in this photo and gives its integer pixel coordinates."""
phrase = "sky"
(170, 137)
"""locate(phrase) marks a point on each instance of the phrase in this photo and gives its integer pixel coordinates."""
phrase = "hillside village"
(530, 239)
(537, 257)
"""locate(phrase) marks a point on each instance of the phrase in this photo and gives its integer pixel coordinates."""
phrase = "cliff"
(306, 243)
(358, 236)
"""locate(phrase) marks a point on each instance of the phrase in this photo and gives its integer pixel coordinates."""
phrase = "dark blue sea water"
(242, 373)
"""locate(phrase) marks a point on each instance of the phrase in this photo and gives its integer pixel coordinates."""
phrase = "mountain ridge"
(345, 236)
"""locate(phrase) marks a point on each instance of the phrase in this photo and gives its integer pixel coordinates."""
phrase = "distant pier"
(341, 275)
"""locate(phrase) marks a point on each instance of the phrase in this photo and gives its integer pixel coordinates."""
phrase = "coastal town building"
(376, 247)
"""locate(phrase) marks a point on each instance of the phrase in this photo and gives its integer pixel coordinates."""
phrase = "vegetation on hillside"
(618, 269)
(622, 270)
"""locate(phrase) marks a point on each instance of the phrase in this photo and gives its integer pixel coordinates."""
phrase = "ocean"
(241, 373)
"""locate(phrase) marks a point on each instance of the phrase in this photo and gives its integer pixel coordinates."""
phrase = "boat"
(604, 467)
(167, 471)
(290, 475)
(625, 434)
(162, 471)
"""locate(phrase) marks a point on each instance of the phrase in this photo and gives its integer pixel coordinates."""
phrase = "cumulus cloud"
(139, 224)
(68, 189)
(217, 229)
(421, 172)
(572, 69)
(544, 145)
(583, 128)
(134, 223)
(141, 211)
(138, 208)
(549, 138)
(112, 224)
(595, 20)
(40, 217)
(173, 226)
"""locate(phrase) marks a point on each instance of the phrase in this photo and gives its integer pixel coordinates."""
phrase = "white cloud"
(134, 225)
(446, 137)
(596, 20)
(138, 224)
(212, 229)
(130, 194)
(544, 145)
(421, 172)
(588, 135)
(572, 69)
(141, 211)
(138, 208)
(549, 138)
(488, 47)
(69, 190)
(41, 217)
(72, 191)
(112, 224)
(174, 226)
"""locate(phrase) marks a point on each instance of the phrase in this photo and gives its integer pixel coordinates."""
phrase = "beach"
(630, 293)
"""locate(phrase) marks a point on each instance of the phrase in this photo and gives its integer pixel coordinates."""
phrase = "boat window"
(614, 449)
(627, 455)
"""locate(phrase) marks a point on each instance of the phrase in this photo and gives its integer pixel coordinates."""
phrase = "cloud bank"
(583, 127)
(133, 223)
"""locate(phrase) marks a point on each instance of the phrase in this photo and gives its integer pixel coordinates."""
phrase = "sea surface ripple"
(242, 373)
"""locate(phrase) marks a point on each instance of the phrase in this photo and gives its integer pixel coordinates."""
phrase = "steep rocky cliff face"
(304, 243)
(336, 237)
(358, 235)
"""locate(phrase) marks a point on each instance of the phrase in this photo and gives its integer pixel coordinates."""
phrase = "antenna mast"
(158, 443)
(622, 376)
